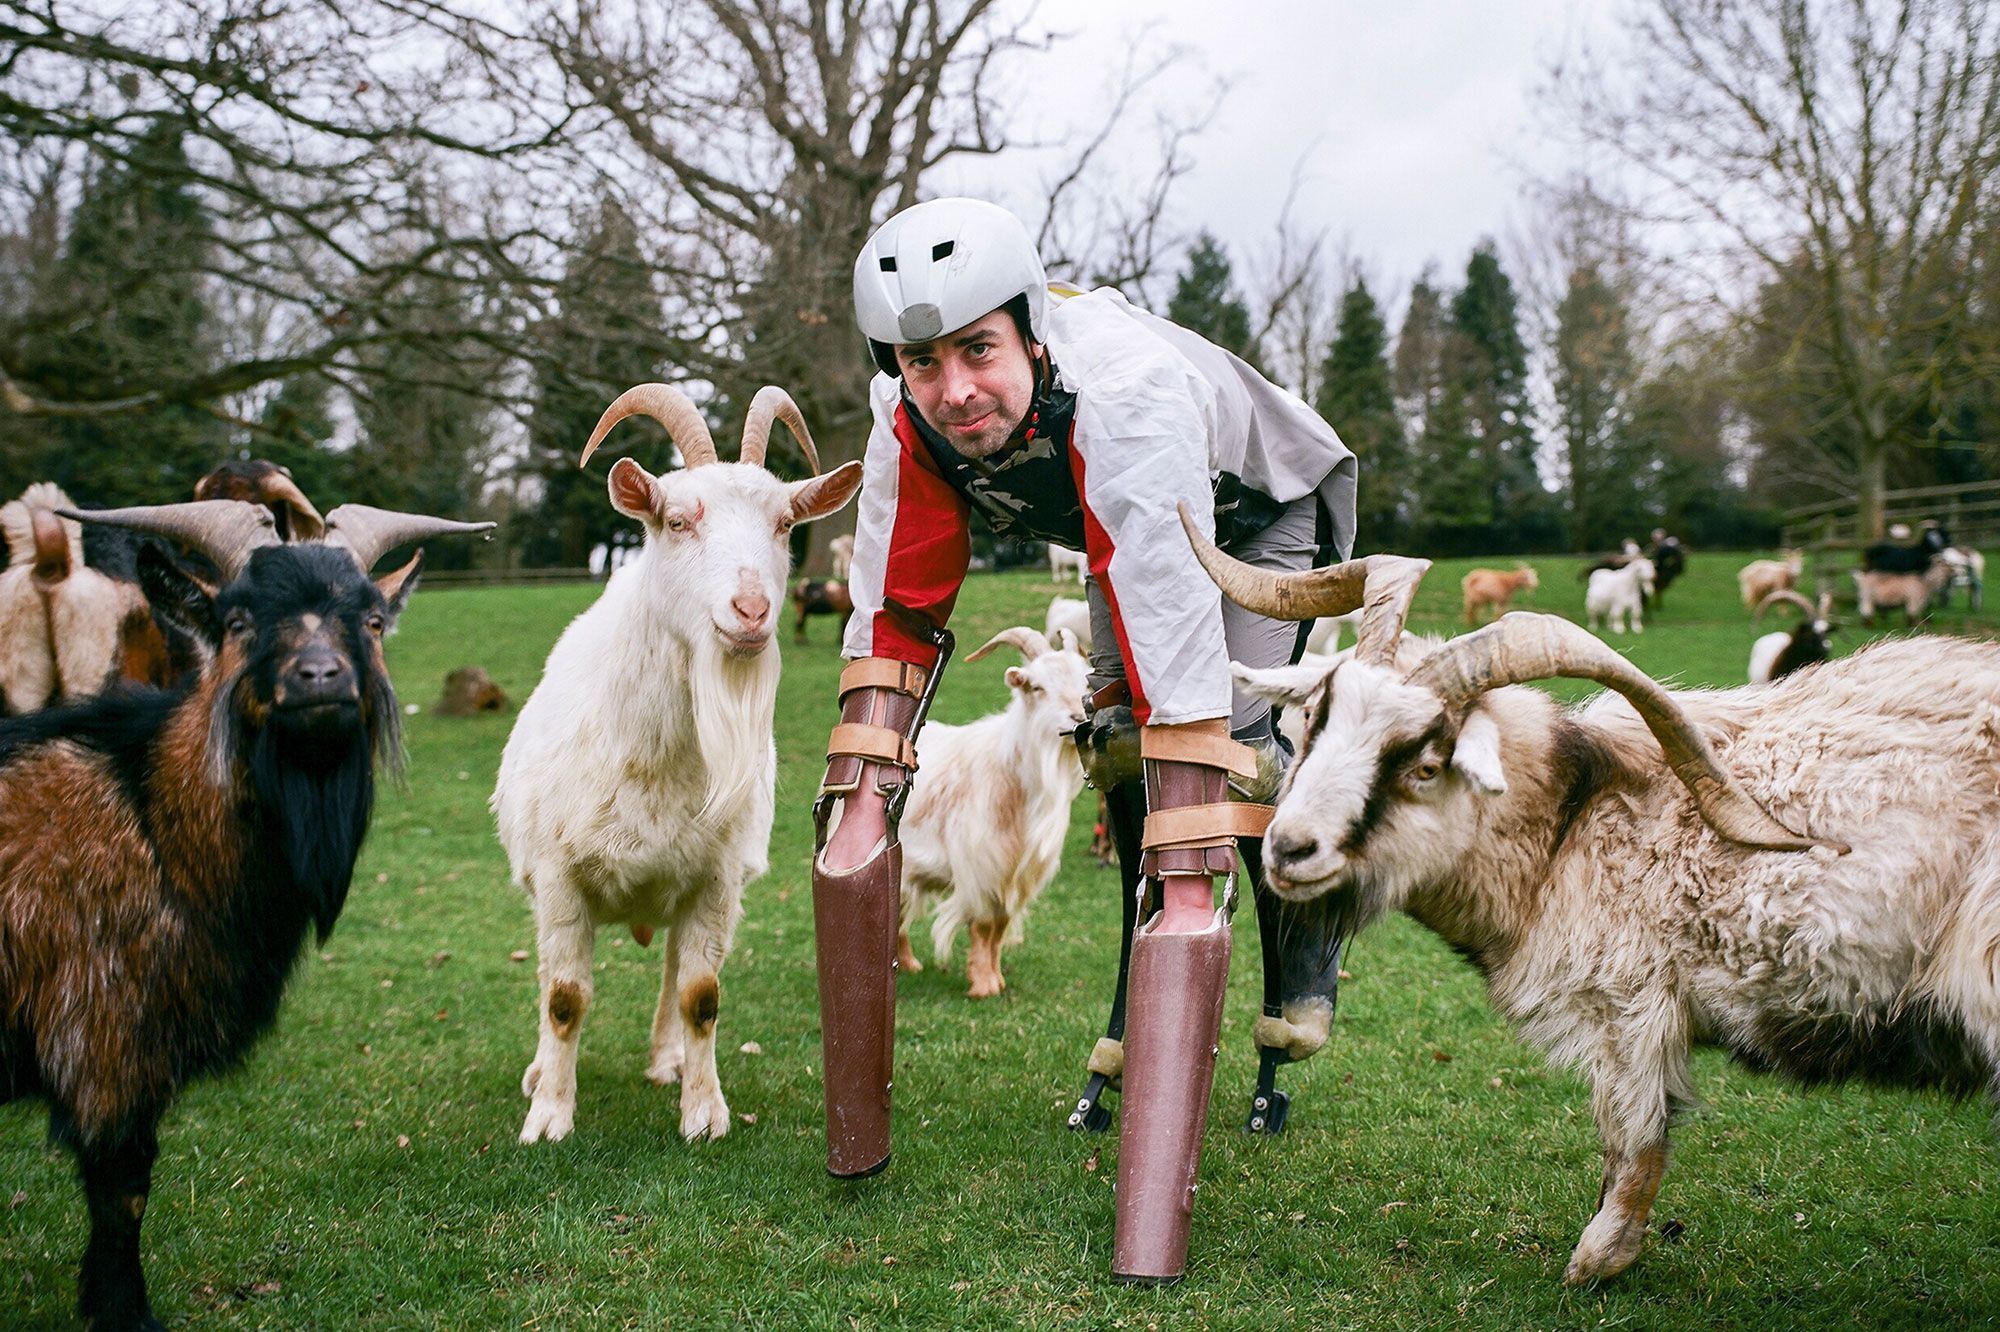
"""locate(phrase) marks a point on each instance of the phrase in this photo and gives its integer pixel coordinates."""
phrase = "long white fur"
(636, 787)
(1619, 596)
(1071, 614)
(991, 804)
(1638, 932)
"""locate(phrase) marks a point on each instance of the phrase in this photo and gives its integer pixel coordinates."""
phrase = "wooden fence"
(1969, 512)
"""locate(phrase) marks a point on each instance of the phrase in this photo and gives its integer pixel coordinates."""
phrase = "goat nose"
(751, 607)
(1290, 847)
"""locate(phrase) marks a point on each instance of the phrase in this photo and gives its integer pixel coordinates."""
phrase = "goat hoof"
(1596, 1261)
(664, 1072)
(704, 1117)
(549, 1120)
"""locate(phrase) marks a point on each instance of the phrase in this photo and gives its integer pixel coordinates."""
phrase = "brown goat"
(1494, 588)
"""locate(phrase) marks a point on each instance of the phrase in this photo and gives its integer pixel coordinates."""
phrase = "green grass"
(1435, 1173)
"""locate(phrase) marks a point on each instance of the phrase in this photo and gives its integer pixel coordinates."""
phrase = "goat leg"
(1611, 1242)
(111, 1288)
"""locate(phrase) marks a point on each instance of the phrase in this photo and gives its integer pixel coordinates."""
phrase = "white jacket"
(1161, 415)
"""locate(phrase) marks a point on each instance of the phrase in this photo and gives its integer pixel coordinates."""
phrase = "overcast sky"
(1411, 120)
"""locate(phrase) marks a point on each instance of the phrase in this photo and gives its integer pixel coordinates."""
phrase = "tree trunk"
(1868, 490)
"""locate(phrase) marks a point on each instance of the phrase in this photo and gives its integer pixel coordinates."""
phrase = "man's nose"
(959, 383)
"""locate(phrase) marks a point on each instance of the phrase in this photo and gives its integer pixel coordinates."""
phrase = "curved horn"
(370, 533)
(1385, 584)
(1526, 646)
(773, 403)
(1029, 642)
(226, 531)
(671, 408)
(307, 525)
(1784, 594)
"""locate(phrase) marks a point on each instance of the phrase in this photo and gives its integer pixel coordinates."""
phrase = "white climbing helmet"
(940, 265)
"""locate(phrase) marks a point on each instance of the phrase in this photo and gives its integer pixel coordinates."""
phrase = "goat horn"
(671, 408)
(772, 403)
(369, 533)
(226, 531)
(1384, 584)
(1784, 594)
(1028, 642)
(1527, 646)
(307, 525)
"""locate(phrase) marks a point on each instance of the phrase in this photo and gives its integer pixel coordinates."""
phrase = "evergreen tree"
(602, 340)
(1487, 360)
(1608, 483)
(1205, 302)
(1454, 513)
(132, 265)
(1357, 396)
(298, 435)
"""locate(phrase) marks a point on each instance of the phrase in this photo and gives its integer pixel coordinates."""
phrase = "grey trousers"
(1255, 640)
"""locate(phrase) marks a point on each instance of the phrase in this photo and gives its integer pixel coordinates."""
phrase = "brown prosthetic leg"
(1180, 963)
(857, 887)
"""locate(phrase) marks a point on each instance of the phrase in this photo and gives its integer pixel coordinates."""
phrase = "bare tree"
(1844, 152)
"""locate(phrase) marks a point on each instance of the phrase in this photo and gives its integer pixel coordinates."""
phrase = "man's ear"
(1477, 754)
(181, 599)
(827, 494)
(634, 493)
(396, 587)
(1287, 686)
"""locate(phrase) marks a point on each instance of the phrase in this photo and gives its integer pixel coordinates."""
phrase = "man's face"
(973, 385)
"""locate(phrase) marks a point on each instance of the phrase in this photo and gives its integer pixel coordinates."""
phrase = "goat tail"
(17, 524)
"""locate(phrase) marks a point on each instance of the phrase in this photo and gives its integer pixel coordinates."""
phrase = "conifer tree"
(1488, 361)
(1205, 302)
(130, 279)
(1592, 379)
(1357, 396)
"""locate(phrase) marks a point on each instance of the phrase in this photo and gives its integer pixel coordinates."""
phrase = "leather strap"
(1203, 825)
(862, 740)
(1187, 744)
(882, 673)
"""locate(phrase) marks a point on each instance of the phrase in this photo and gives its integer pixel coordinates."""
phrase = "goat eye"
(238, 623)
(676, 523)
(1426, 771)
(376, 623)
(786, 524)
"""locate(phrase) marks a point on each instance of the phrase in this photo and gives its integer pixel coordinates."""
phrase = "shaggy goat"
(841, 551)
(1071, 615)
(1916, 558)
(66, 630)
(1618, 596)
(166, 851)
(1063, 562)
(1623, 889)
(636, 787)
(1912, 592)
(1493, 589)
(984, 829)
(1779, 654)
(1760, 578)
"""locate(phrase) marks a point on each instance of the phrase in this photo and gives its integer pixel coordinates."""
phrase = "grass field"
(362, 1172)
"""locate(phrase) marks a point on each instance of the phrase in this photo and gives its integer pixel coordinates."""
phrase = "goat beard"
(316, 798)
(733, 700)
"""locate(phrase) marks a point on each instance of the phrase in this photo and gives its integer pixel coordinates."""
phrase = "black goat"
(163, 852)
(1669, 559)
(1777, 655)
(1888, 557)
(820, 597)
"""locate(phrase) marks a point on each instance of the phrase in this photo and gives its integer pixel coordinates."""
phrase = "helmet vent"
(888, 263)
(941, 250)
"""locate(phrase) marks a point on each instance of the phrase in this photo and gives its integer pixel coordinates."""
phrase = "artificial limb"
(857, 875)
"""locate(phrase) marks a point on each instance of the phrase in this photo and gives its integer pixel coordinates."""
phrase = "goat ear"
(183, 600)
(397, 585)
(827, 494)
(1016, 677)
(634, 493)
(1477, 754)
(1287, 686)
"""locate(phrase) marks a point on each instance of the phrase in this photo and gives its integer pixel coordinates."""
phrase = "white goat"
(1912, 592)
(62, 624)
(1068, 613)
(841, 550)
(1618, 596)
(987, 816)
(636, 787)
(1624, 890)
(1063, 562)
(1324, 636)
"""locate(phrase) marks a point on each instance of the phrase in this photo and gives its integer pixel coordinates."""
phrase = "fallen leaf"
(439, 958)
(750, 1048)
(19, 1198)
(518, 955)
(1390, 1206)
(265, 1288)
(1345, 974)
(1440, 1056)
(402, 1139)
(746, 1118)
(889, 1262)
(1090, 1163)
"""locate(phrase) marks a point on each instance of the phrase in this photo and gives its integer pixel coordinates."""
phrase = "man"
(1079, 419)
